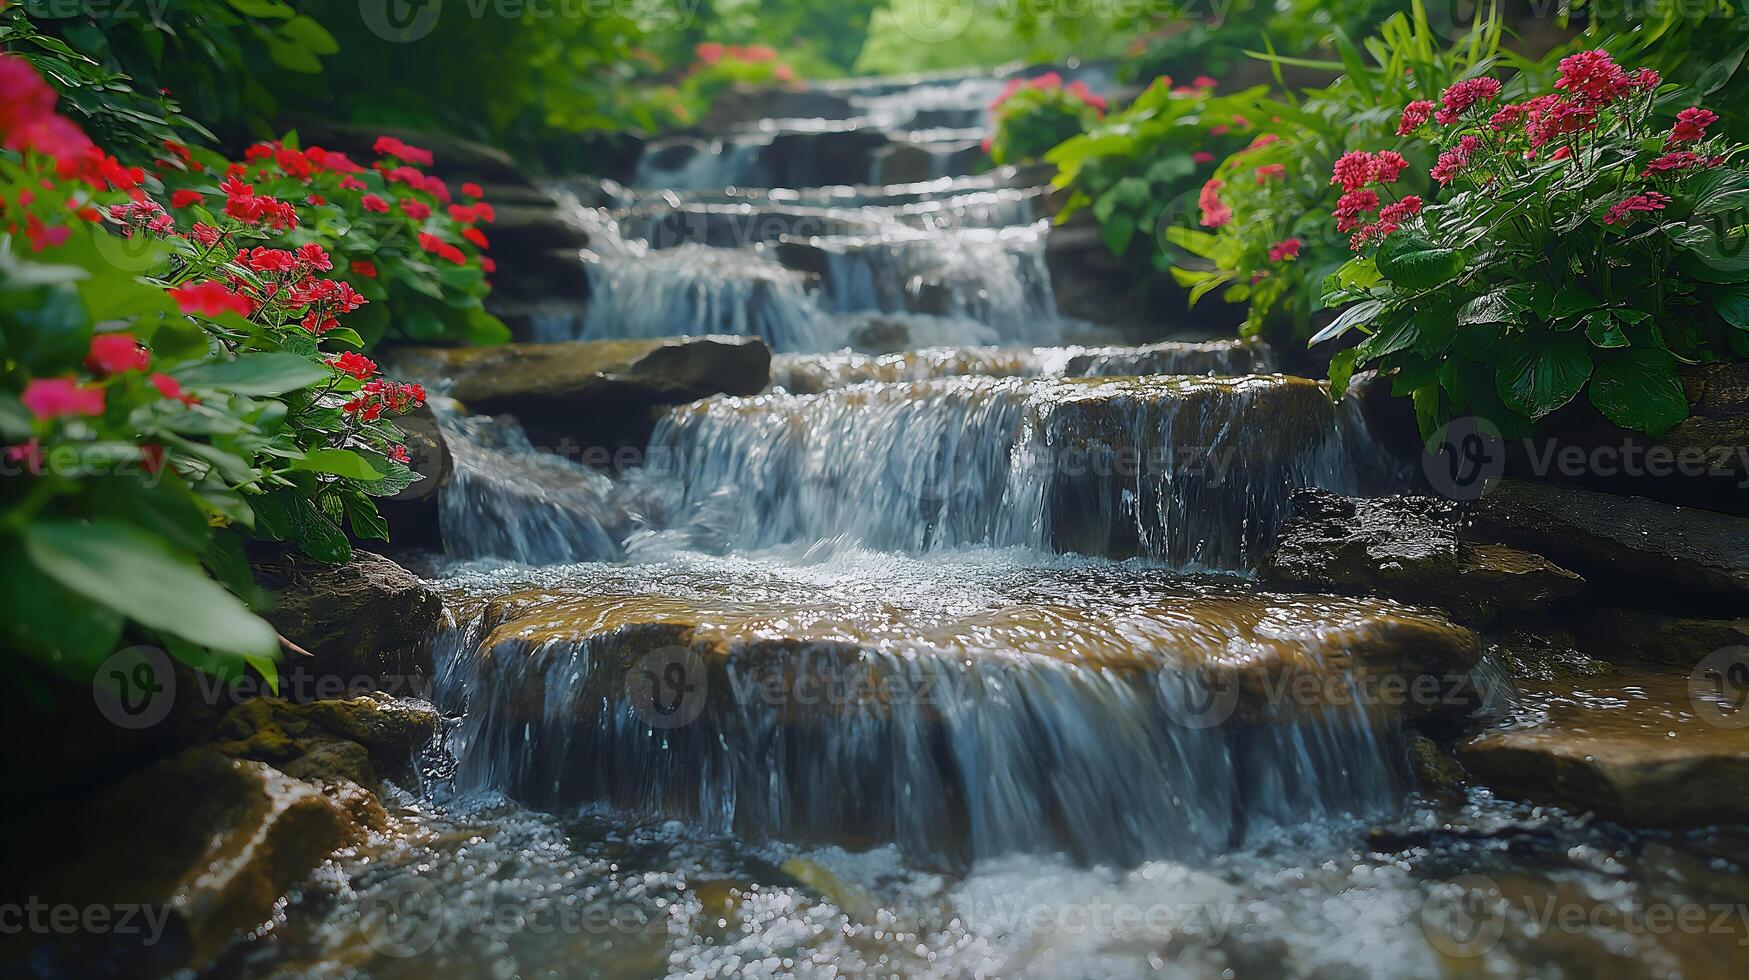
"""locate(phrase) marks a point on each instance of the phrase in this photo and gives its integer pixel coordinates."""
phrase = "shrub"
(1136, 169)
(400, 236)
(166, 386)
(1251, 251)
(1574, 245)
(1033, 116)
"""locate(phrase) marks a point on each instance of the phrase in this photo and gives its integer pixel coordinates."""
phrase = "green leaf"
(131, 572)
(340, 462)
(1570, 300)
(1342, 371)
(1506, 304)
(1410, 260)
(1356, 315)
(1733, 307)
(47, 619)
(1639, 389)
(256, 374)
(1536, 380)
(1603, 331)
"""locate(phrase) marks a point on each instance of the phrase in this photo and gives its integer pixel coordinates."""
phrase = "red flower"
(49, 398)
(1286, 250)
(371, 202)
(398, 453)
(1395, 214)
(315, 257)
(1592, 76)
(169, 387)
(710, 52)
(270, 260)
(210, 299)
(464, 214)
(414, 209)
(392, 147)
(1674, 160)
(1352, 170)
(1203, 81)
(1624, 212)
(44, 236)
(1553, 116)
(1202, 156)
(472, 189)
(476, 236)
(113, 353)
(1214, 213)
(182, 199)
(488, 264)
(1269, 170)
(441, 249)
(1386, 166)
(1464, 95)
(365, 268)
(351, 183)
(206, 235)
(1454, 159)
(29, 453)
(353, 364)
(1690, 126)
(1350, 206)
(1415, 115)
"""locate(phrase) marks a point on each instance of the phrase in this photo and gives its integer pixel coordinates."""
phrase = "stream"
(943, 661)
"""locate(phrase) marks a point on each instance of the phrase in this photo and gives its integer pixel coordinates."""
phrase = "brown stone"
(364, 621)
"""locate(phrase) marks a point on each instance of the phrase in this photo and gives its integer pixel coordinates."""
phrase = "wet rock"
(1437, 772)
(1406, 547)
(1630, 635)
(1222, 357)
(561, 385)
(1718, 422)
(1688, 556)
(364, 622)
(358, 738)
(204, 844)
(881, 336)
(1638, 748)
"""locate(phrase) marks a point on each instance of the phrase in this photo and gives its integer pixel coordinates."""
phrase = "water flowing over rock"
(1018, 710)
(1195, 471)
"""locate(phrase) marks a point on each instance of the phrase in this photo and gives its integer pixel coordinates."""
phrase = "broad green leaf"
(1410, 260)
(1603, 331)
(256, 374)
(1639, 389)
(1356, 315)
(1733, 306)
(1342, 371)
(1544, 374)
(46, 618)
(131, 572)
(340, 462)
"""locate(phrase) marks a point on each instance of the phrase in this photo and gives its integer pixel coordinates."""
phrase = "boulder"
(359, 738)
(364, 623)
(1617, 634)
(576, 388)
(428, 452)
(1718, 421)
(199, 846)
(1406, 547)
(1639, 748)
(1689, 557)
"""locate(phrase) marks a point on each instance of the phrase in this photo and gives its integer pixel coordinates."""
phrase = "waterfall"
(1192, 471)
(1108, 729)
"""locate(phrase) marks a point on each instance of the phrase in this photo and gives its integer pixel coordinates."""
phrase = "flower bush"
(170, 380)
(1262, 236)
(1032, 116)
(397, 235)
(1132, 168)
(1574, 244)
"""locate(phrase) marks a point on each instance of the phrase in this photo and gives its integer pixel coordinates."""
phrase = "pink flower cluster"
(1357, 172)
(1053, 82)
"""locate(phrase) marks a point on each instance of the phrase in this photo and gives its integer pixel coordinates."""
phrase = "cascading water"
(937, 660)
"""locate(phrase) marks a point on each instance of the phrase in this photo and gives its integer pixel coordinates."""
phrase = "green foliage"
(1136, 169)
(165, 390)
(1033, 116)
(1578, 248)
(930, 35)
(1406, 61)
(221, 61)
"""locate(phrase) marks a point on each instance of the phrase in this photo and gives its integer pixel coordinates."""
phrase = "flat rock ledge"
(1406, 547)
